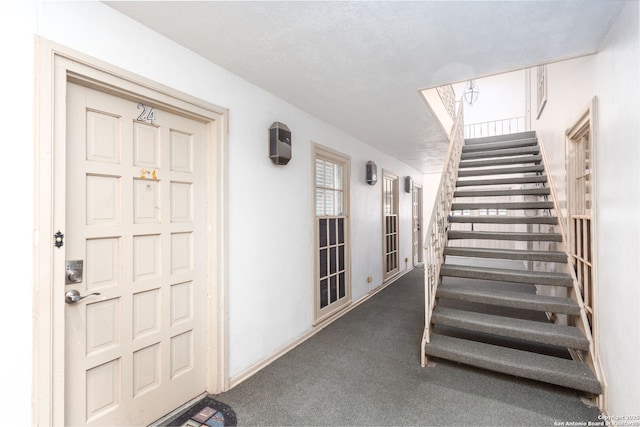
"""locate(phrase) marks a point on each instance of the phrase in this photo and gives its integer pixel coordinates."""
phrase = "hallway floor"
(364, 369)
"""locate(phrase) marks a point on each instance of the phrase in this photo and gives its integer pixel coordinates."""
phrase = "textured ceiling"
(360, 65)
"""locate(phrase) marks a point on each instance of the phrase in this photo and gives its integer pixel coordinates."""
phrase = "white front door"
(136, 218)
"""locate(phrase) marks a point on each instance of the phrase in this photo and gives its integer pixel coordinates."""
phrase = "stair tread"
(506, 152)
(500, 171)
(511, 299)
(503, 192)
(505, 235)
(506, 160)
(501, 145)
(500, 138)
(502, 205)
(504, 219)
(553, 370)
(527, 134)
(507, 275)
(514, 254)
(501, 181)
(542, 332)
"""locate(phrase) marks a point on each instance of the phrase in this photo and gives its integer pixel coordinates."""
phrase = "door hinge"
(59, 239)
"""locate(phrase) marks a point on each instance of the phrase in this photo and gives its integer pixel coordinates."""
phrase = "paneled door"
(135, 346)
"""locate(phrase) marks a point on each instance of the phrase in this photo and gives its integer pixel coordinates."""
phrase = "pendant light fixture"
(471, 92)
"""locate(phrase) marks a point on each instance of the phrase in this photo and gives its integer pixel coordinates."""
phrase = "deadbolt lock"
(73, 273)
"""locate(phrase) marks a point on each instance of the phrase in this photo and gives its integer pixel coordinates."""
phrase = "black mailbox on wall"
(279, 143)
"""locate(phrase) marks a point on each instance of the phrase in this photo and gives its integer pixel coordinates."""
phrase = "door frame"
(416, 192)
(55, 66)
(389, 275)
(585, 120)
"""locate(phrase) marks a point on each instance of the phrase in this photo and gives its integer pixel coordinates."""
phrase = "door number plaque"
(148, 113)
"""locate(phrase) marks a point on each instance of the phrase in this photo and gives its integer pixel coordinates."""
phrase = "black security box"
(279, 143)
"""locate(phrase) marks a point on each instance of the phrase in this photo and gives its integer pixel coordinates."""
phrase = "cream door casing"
(136, 216)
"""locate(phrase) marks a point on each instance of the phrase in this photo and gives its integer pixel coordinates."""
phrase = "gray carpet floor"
(364, 370)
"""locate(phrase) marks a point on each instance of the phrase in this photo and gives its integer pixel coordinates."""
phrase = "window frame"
(319, 152)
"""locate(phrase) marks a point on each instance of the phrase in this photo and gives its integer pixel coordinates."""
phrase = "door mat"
(206, 412)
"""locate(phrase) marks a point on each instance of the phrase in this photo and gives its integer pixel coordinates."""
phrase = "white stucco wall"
(570, 88)
(613, 76)
(16, 175)
(270, 234)
(618, 204)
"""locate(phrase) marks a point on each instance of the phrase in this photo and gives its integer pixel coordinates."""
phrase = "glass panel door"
(390, 212)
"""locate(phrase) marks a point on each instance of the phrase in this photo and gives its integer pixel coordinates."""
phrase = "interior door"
(391, 246)
(135, 217)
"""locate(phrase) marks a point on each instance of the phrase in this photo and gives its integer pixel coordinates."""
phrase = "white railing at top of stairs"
(495, 127)
(436, 237)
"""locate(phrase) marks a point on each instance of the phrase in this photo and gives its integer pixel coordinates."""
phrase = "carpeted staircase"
(488, 312)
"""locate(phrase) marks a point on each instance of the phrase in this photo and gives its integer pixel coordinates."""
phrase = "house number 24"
(148, 113)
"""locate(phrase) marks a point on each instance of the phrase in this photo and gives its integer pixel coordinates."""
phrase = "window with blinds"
(332, 285)
(329, 188)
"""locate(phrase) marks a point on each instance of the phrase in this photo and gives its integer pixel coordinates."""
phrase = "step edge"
(552, 334)
(574, 378)
(550, 256)
(500, 161)
(509, 276)
(508, 299)
(504, 270)
(489, 235)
